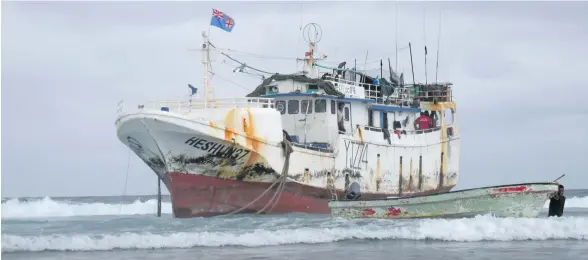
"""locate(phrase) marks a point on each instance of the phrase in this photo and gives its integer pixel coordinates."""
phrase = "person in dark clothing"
(557, 202)
(347, 181)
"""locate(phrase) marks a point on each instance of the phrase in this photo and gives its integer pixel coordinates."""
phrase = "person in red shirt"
(422, 122)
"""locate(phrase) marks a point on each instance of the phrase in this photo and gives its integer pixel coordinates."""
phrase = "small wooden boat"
(517, 200)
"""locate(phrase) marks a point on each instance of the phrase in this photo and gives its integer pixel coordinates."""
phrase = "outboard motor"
(353, 192)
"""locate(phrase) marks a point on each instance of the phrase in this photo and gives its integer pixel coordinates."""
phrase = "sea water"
(127, 228)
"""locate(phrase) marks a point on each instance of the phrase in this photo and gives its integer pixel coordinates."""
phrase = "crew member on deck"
(557, 202)
(429, 117)
(423, 122)
(330, 181)
(396, 126)
(434, 118)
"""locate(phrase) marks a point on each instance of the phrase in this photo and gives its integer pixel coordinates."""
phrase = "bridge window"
(370, 118)
(333, 107)
(272, 89)
(306, 107)
(281, 106)
(346, 114)
(320, 106)
(293, 107)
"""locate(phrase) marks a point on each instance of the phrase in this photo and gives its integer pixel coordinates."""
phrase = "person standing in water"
(557, 202)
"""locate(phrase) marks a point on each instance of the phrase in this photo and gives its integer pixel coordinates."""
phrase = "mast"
(396, 36)
(381, 69)
(206, 65)
(411, 64)
(309, 59)
(425, 40)
(438, 40)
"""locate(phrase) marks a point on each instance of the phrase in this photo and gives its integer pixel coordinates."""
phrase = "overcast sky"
(518, 68)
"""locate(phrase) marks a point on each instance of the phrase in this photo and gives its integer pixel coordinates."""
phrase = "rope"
(230, 81)
(282, 187)
(287, 146)
(126, 179)
(273, 201)
(261, 56)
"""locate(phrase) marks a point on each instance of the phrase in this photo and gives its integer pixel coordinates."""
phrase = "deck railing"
(440, 92)
(391, 131)
(400, 96)
(187, 105)
(410, 133)
(340, 80)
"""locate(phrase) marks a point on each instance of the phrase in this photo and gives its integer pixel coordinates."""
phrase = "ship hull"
(223, 162)
(203, 196)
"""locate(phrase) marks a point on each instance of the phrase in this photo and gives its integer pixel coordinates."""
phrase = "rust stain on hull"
(251, 141)
(440, 107)
(229, 130)
(411, 178)
(238, 124)
(229, 134)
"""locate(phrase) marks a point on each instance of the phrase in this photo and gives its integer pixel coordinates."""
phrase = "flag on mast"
(193, 89)
(221, 20)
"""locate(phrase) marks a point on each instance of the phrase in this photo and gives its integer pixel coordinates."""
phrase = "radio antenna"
(425, 40)
(438, 40)
(396, 54)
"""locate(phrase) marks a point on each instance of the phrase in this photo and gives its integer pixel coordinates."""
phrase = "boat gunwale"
(449, 192)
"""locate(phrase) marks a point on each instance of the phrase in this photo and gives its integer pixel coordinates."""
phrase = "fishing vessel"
(298, 140)
(514, 200)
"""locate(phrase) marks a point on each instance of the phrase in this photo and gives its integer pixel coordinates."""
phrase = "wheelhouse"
(315, 112)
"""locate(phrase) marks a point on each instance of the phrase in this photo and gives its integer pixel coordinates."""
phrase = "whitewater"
(46, 207)
(116, 228)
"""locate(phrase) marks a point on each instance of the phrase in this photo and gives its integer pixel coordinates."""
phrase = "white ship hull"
(243, 144)
(205, 148)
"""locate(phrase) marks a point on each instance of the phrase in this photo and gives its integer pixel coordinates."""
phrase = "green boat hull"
(518, 200)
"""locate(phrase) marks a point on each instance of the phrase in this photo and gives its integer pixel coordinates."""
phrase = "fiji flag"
(221, 20)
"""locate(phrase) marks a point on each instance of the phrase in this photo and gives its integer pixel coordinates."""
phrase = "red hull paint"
(202, 196)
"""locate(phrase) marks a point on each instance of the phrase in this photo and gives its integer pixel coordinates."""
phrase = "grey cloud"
(517, 69)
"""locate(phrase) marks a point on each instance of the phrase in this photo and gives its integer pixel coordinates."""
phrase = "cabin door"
(344, 118)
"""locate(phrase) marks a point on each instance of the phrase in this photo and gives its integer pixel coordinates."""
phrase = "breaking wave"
(481, 228)
(573, 202)
(47, 207)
